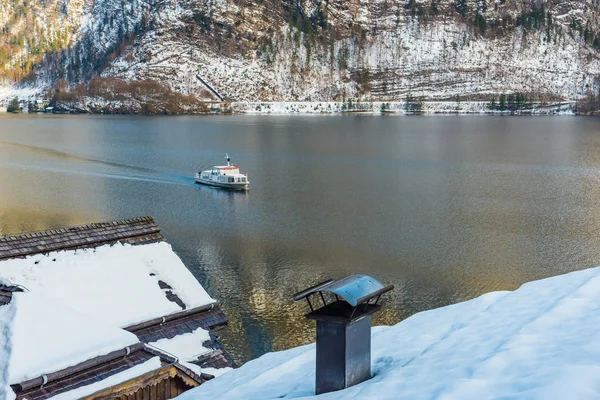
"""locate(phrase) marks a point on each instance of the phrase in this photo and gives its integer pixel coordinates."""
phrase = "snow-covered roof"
(90, 299)
(126, 375)
(117, 284)
(40, 336)
(538, 342)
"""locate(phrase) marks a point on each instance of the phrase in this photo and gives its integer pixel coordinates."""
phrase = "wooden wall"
(163, 384)
(164, 390)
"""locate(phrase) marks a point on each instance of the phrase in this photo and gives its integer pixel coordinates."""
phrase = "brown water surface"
(446, 208)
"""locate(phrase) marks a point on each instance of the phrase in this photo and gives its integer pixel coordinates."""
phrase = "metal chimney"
(344, 329)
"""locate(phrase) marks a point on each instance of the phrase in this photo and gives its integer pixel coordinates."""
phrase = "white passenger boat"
(225, 176)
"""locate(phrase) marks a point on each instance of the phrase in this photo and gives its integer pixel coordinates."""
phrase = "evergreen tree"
(502, 102)
(13, 106)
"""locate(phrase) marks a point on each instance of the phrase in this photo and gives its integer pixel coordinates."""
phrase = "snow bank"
(40, 336)
(116, 284)
(538, 342)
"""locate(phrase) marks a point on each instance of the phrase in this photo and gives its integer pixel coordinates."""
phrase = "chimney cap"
(354, 289)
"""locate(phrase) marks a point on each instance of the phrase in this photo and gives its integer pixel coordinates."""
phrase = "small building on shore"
(105, 310)
(40, 104)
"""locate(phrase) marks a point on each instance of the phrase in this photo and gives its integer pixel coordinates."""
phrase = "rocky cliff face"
(301, 50)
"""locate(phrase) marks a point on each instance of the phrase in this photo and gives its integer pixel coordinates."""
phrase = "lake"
(444, 207)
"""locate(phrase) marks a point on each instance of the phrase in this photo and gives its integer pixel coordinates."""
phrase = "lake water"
(446, 208)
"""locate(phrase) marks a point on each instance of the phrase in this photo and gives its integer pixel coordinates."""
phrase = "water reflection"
(263, 279)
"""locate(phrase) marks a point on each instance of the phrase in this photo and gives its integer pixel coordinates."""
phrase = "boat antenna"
(228, 159)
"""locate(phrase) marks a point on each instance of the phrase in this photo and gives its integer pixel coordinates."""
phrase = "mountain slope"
(267, 50)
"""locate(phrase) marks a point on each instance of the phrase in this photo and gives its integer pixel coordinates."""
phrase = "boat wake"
(182, 181)
(141, 174)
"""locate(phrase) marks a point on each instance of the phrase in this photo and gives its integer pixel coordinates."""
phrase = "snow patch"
(185, 347)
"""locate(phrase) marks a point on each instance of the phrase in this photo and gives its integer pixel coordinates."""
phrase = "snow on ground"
(9, 92)
(116, 284)
(41, 336)
(113, 380)
(538, 342)
(437, 61)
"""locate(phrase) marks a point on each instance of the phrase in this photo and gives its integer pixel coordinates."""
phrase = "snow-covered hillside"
(381, 50)
(538, 342)
(437, 61)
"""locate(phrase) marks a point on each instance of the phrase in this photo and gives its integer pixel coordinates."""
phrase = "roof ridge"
(93, 225)
(140, 230)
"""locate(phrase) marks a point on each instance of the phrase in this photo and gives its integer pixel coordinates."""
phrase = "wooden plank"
(160, 390)
(172, 388)
(149, 379)
(164, 383)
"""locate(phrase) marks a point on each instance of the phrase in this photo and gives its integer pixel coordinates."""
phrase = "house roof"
(209, 318)
(51, 350)
(6, 292)
(218, 358)
(82, 374)
(206, 317)
(135, 231)
(153, 297)
(135, 277)
(103, 372)
(45, 336)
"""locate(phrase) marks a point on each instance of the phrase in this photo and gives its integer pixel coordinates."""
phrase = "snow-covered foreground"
(538, 342)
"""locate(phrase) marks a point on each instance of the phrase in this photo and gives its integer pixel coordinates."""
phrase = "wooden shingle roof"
(217, 358)
(208, 317)
(95, 370)
(135, 231)
(6, 292)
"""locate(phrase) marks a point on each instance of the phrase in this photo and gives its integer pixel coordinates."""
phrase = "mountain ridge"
(332, 50)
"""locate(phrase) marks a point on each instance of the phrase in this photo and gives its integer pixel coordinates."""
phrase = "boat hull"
(224, 185)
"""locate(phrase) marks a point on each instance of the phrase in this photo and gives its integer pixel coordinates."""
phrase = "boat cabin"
(226, 170)
(227, 173)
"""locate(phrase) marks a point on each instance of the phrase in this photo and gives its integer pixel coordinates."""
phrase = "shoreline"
(399, 108)
(355, 107)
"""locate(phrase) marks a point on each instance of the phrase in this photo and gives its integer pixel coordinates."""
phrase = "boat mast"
(228, 159)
